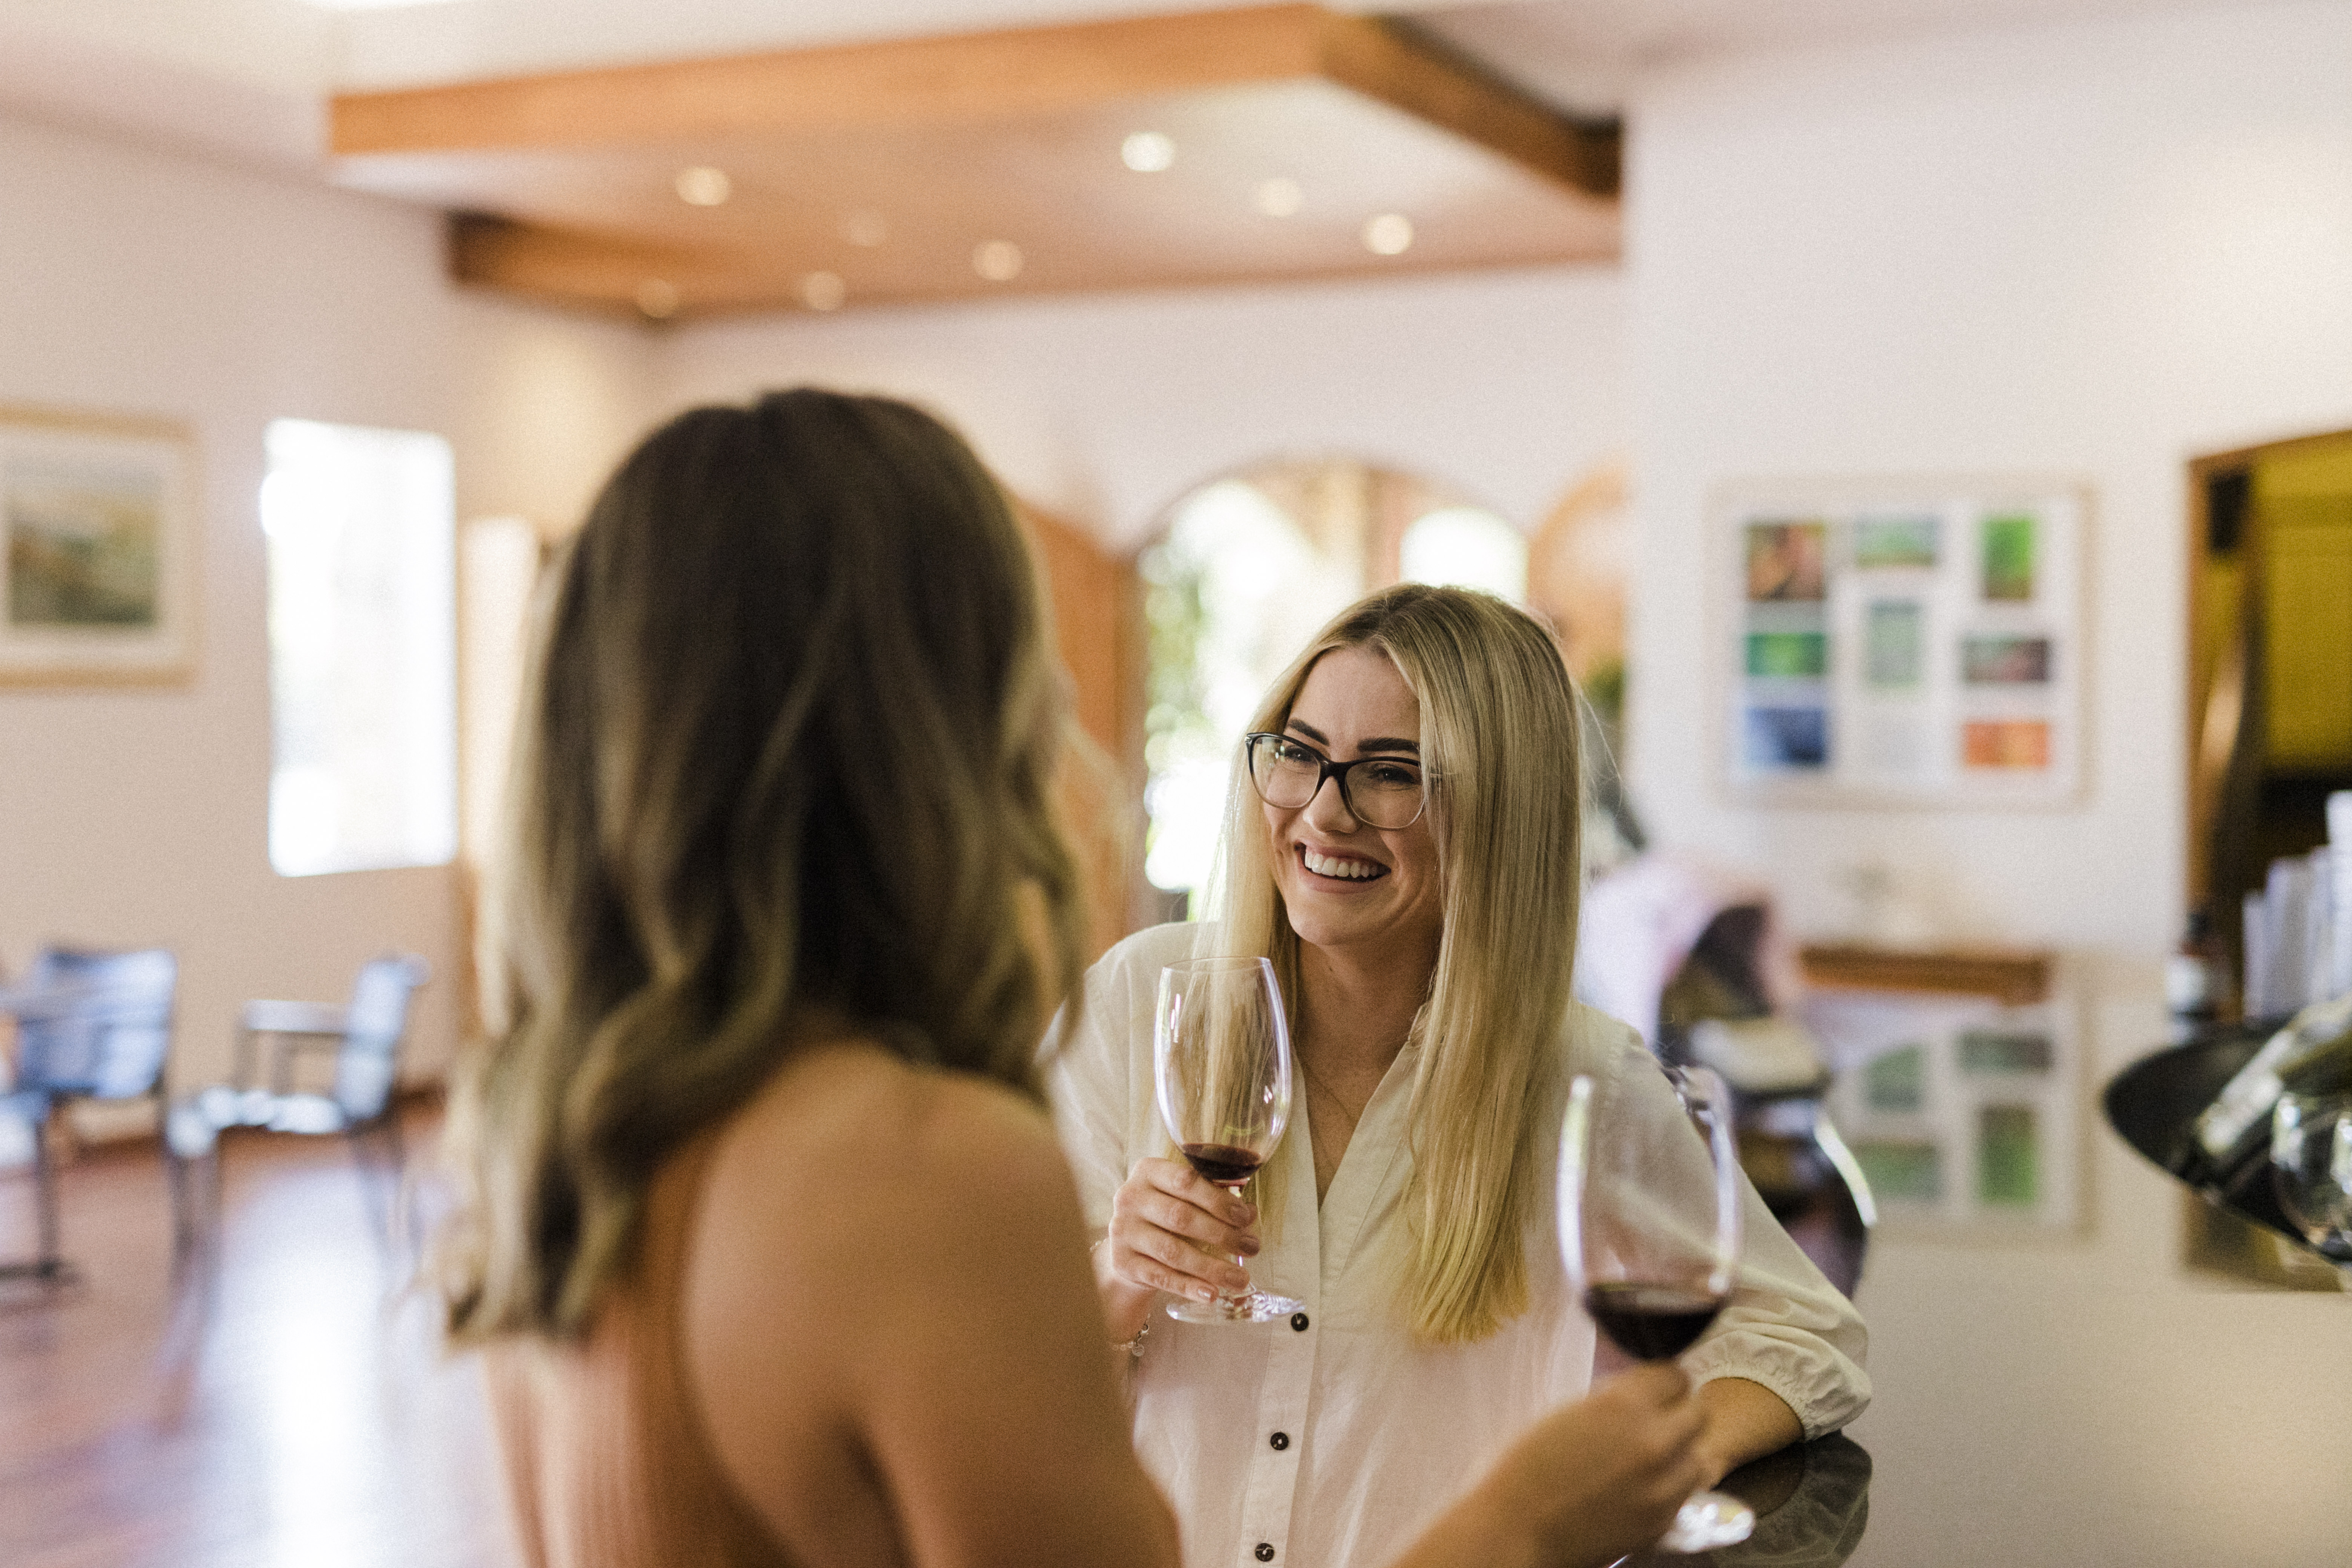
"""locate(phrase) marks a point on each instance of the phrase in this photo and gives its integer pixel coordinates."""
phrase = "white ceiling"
(247, 76)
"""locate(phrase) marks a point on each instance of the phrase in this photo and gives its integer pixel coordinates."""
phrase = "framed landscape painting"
(98, 573)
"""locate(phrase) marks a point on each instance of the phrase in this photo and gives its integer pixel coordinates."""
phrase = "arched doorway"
(1243, 571)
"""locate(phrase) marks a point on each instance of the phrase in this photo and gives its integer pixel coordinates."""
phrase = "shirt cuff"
(1824, 1398)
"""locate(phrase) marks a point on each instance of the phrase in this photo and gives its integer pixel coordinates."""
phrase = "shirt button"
(1280, 1440)
(1298, 1321)
(1265, 1551)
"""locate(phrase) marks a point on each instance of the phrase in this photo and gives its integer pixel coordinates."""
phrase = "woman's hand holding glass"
(1651, 1221)
(1221, 1071)
(1584, 1486)
(1173, 1230)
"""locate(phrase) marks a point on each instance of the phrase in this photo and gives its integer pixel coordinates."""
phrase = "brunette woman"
(765, 1234)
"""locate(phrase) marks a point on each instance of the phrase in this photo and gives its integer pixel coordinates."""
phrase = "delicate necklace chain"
(1315, 1081)
(1314, 1085)
(1319, 1137)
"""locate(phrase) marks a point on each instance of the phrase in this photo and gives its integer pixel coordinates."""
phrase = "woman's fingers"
(1662, 1423)
(1145, 1253)
(1604, 1476)
(1584, 1486)
(1175, 1198)
(1141, 1268)
(1181, 1215)
(1172, 1231)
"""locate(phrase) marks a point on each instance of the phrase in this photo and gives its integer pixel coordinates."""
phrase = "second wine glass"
(1651, 1220)
(1220, 1056)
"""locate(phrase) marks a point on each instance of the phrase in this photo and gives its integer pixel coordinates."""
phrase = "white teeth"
(1324, 866)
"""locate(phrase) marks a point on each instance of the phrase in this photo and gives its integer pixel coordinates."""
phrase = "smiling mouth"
(1340, 867)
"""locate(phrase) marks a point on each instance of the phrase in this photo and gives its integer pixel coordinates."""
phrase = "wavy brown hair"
(1499, 743)
(785, 758)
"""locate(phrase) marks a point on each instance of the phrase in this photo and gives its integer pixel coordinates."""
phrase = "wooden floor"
(282, 1406)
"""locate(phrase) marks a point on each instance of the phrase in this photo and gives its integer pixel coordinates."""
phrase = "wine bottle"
(2230, 1137)
(2193, 984)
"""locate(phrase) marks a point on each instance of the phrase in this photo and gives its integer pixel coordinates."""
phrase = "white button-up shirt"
(1331, 1439)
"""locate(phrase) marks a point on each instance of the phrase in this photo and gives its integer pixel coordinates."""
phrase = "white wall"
(2095, 250)
(147, 282)
(1107, 408)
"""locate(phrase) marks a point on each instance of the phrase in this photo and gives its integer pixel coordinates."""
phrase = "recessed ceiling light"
(823, 290)
(1280, 198)
(704, 186)
(658, 297)
(1146, 151)
(865, 228)
(1390, 234)
(999, 260)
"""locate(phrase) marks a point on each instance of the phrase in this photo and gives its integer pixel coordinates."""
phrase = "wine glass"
(1221, 1059)
(1650, 1225)
(2311, 1168)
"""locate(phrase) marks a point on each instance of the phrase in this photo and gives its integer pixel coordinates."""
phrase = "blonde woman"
(765, 1235)
(1401, 842)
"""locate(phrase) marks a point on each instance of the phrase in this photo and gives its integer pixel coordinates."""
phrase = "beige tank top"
(607, 1461)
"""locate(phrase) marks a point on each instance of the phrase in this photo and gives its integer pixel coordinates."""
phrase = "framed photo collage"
(1903, 644)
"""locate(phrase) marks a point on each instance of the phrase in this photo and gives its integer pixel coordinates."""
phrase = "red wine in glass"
(1650, 1322)
(1222, 1163)
(1221, 1062)
(1651, 1207)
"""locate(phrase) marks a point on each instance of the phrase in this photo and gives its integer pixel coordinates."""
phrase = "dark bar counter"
(2154, 1103)
(1812, 1501)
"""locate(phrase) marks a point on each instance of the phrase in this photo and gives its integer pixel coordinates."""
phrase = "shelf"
(2012, 977)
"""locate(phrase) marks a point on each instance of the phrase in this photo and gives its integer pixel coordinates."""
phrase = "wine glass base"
(1256, 1307)
(1708, 1520)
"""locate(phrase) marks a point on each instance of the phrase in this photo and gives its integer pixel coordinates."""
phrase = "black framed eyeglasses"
(1379, 792)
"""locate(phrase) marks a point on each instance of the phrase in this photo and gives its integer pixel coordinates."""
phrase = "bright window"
(1467, 547)
(1235, 589)
(362, 680)
(1248, 568)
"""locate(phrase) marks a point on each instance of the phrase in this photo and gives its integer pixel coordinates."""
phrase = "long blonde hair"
(785, 756)
(1499, 742)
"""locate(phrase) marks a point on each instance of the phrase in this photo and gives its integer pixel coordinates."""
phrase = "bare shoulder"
(851, 1128)
(854, 1162)
(892, 1331)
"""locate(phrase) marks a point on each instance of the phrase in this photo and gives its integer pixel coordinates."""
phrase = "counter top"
(1812, 1501)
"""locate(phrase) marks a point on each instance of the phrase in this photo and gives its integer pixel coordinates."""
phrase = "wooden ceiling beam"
(910, 82)
(1382, 62)
(979, 76)
(595, 272)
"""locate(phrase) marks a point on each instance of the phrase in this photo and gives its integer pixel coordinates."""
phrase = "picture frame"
(1971, 1113)
(1905, 642)
(99, 549)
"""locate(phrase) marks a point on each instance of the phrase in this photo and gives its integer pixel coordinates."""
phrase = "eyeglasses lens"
(1377, 793)
(1287, 776)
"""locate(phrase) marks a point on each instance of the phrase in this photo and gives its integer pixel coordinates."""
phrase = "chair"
(365, 1035)
(89, 1025)
(1693, 958)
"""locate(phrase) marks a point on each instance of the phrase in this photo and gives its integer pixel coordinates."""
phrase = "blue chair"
(89, 1025)
(365, 1035)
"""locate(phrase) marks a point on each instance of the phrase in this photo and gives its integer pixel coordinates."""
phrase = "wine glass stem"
(1230, 1298)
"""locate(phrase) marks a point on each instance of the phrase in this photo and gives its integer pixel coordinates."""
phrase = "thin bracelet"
(1133, 1347)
